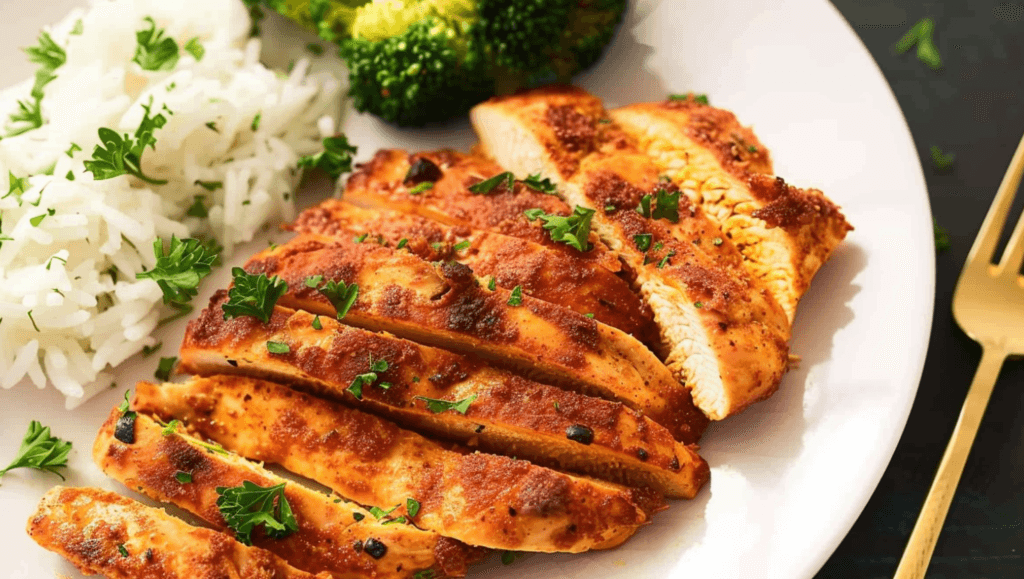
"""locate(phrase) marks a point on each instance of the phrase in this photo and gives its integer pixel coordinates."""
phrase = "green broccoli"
(416, 61)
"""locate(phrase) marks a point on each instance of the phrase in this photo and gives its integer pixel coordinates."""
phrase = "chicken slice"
(445, 305)
(784, 233)
(479, 499)
(724, 334)
(331, 532)
(507, 414)
(104, 533)
(557, 276)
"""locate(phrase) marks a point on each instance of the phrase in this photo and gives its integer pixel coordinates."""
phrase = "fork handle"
(922, 541)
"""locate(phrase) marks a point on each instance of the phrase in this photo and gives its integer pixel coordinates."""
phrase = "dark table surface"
(973, 107)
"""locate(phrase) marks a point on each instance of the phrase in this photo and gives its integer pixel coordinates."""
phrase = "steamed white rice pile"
(70, 246)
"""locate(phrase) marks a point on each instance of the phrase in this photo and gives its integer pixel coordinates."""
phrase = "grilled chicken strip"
(479, 499)
(445, 305)
(725, 335)
(784, 233)
(555, 276)
(508, 414)
(104, 533)
(386, 181)
(331, 535)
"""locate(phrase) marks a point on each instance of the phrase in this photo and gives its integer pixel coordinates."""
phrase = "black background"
(974, 108)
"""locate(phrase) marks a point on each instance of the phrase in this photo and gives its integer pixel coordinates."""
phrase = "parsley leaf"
(698, 98)
(278, 347)
(170, 428)
(256, 122)
(253, 295)
(317, 325)
(49, 57)
(516, 297)
(573, 230)
(412, 506)
(664, 260)
(122, 155)
(341, 296)
(922, 35)
(421, 188)
(488, 185)
(544, 185)
(666, 206)
(183, 477)
(492, 284)
(155, 51)
(248, 506)
(941, 237)
(40, 451)
(439, 406)
(643, 241)
(942, 161)
(195, 48)
(367, 379)
(165, 367)
(179, 271)
(335, 159)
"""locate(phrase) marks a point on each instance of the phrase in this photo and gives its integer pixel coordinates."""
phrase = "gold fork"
(989, 306)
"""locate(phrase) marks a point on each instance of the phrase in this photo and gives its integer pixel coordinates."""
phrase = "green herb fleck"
(122, 550)
(537, 183)
(643, 241)
(183, 477)
(195, 48)
(33, 320)
(248, 506)
(41, 451)
(164, 367)
(421, 187)
(515, 298)
(573, 230)
(253, 295)
(492, 284)
(155, 51)
(277, 347)
(412, 506)
(402, 243)
(488, 185)
(335, 159)
(367, 379)
(317, 325)
(256, 122)
(341, 296)
(922, 35)
(179, 270)
(122, 155)
(941, 237)
(666, 206)
(464, 244)
(438, 406)
(942, 161)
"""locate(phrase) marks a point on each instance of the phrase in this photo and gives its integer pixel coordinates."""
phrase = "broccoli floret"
(536, 41)
(415, 62)
(330, 20)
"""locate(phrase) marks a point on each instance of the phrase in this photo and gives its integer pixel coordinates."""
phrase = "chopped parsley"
(164, 368)
(317, 325)
(253, 295)
(412, 506)
(278, 347)
(198, 209)
(154, 50)
(941, 237)
(699, 98)
(464, 244)
(438, 406)
(49, 57)
(664, 260)
(698, 305)
(488, 185)
(17, 186)
(402, 243)
(248, 506)
(33, 320)
(942, 161)
(589, 315)
(212, 126)
(922, 35)
(666, 206)
(179, 270)
(341, 296)
(256, 122)
(421, 188)
(121, 549)
(335, 159)
(537, 183)
(72, 150)
(183, 477)
(122, 155)
(492, 284)
(195, 48)
(35, 221)
(169, 428)
(367, 379)
(41, 451)
(643, 241)
(515, 298)
(148, 350)
(573, 230)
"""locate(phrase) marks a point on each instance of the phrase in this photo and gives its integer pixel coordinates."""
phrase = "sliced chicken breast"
(553, 275)
(107, 534)
(724, 334)
(784, 233)
(505, 414)
(479, 499)
(445, 305)
(169, 466)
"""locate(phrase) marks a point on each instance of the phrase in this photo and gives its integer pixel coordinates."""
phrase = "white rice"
(74, 272)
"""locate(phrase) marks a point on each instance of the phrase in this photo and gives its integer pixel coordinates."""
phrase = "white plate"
(790, 475)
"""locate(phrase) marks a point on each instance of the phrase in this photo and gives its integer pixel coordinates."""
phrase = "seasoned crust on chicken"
(479, 499)
(104, 533)
(784, 233)
(445, 305)
(553, 275)
(331, 532)
(724, 334)
(509, 414)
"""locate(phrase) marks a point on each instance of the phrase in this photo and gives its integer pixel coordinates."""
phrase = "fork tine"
(1014, 254)
(985, 245)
